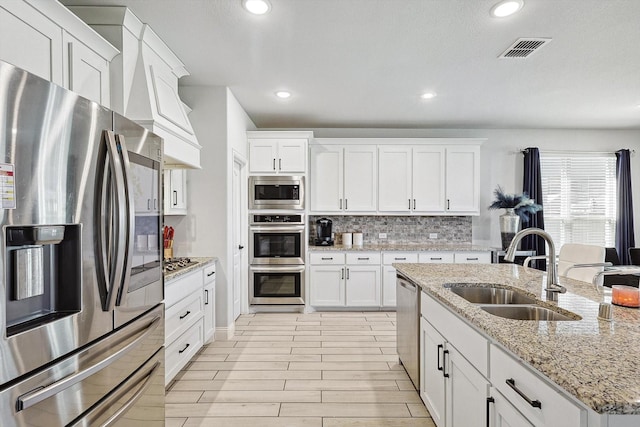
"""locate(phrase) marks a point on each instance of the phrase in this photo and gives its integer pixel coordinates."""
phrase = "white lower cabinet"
(449, 382)
(337, 279)
(209, 302)
(466, 380)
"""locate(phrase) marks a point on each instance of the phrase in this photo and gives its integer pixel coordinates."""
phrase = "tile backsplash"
(400, 229)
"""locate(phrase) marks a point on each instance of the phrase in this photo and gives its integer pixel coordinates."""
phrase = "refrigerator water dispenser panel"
(43, 275)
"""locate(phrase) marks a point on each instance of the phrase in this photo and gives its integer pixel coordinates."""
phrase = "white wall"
(220, 123)
(502, 164)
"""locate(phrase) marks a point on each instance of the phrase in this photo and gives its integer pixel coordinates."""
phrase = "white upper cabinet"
(394, 178)
(278, 152)
(175, 192)
(343, 178)
(46, 39)
(427, 178)
(463, 180)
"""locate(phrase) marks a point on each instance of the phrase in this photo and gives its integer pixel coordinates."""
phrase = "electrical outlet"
(433, 235)
(382, 235)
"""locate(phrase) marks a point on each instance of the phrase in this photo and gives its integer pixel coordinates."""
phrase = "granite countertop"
(199, 263)
(408, 247)
(594, 360)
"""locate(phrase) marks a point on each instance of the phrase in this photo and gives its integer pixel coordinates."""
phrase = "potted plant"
(518, 208)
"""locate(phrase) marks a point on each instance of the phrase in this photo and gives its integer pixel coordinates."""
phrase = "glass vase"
(509, 226)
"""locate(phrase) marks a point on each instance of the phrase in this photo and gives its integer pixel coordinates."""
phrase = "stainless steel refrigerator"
(81, 286)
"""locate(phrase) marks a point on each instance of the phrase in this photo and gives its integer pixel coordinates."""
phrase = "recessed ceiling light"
(506, 8)
(257, 7)
(283, 94)
(428, 95)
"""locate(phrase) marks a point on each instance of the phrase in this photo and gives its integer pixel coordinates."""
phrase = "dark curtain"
(532, 185)
(624, 206)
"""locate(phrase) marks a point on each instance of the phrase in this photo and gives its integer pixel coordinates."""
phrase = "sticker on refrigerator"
(7, 186)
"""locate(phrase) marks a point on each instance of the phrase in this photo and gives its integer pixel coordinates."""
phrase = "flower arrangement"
(521, 204)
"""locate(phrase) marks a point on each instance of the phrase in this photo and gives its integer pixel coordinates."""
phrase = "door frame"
(242, 222)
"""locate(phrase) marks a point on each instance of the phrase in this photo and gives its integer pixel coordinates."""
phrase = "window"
(579, 197)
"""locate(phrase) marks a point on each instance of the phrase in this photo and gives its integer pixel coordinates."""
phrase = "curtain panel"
(532, 186)
(624, 206)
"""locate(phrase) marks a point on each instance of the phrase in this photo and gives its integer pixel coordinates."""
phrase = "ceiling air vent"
(523, 48)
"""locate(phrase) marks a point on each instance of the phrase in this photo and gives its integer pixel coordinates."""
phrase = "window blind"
(579, 197)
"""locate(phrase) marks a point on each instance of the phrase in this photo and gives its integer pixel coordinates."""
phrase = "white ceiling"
(364, 63)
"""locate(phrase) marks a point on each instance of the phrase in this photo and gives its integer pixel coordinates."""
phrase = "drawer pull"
(363, 259)
(329, 258)
(436, 259)
(440, 347)
(512, 383)
(490, 400)
(185, 315)
(472, 259)
(211, 274)
(184, 349)
(206, 297)
(401, 259)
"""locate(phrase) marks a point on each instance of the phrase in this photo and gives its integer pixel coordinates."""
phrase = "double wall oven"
(277, 247)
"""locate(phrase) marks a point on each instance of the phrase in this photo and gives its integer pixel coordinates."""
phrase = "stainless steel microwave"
(276, 192)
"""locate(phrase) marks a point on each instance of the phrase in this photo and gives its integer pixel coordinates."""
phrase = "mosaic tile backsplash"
(400, 229)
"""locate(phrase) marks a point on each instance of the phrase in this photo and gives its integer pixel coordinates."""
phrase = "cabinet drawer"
(363, 258)
(389, 258)
(181, 316)
(555, 408)
(180, 352)
(472, 257)
(435, 257)
(210, 273)
(473, 346)
(182, 286)
(326, 258)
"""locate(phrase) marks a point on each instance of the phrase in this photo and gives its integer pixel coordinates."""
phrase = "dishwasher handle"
(407, 285)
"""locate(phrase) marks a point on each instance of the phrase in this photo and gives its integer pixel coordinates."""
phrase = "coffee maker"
(323, 232)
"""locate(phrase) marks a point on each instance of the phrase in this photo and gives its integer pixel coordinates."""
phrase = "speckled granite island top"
(594, 360)
(408, 247)
(199, 263)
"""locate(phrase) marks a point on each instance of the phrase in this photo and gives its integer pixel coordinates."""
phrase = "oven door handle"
(277, 228)
(277, 268)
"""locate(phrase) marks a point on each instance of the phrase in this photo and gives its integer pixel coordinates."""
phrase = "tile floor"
(332, 369)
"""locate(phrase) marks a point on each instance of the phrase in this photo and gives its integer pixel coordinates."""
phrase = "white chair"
(581, 262)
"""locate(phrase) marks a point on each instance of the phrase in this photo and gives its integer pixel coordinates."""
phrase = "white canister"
(358, 239)
(347, 239)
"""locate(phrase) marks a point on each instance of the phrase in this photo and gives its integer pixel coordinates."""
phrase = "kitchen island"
(592, 362)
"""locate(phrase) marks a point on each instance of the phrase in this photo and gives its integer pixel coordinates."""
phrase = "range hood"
(144, 81)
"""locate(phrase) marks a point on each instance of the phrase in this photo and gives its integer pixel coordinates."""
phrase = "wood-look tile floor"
(330, 369)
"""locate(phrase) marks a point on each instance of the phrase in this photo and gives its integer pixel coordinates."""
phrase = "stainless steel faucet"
(553, 287)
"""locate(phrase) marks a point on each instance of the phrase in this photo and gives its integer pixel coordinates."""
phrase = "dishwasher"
(408, 327)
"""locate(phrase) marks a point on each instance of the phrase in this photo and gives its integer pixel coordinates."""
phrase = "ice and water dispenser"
(43, 274)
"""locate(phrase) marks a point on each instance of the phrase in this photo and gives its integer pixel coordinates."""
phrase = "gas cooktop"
(175, 264)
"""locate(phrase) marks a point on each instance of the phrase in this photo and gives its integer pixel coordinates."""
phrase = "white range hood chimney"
(144, 81)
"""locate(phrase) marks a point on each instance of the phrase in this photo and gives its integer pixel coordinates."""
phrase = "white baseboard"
(225, 334)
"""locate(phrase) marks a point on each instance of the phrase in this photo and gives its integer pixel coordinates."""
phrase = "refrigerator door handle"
(111, 263)
(146, 382)
(36, 396)
(128, 220)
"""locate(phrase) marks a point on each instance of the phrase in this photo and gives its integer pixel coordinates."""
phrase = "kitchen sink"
(527, 312)
(491, 295)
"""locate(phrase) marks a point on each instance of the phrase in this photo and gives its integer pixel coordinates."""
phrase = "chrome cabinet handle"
(347, 273)
(274, 164)
(185, 315)
(435, 259)
(444, 363)
(212, 273)
(363, 259)
(409, 204)
(472, 259)
(340, 203)
(414, 204)
(448, 204)
(440, 347)
(327, 258)
(400, 259)
(175, 198)
(206, 297)
(512, 383)
(342, 274)
(148, 204)
(279, 164)
(184, 349)
(346, 206)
